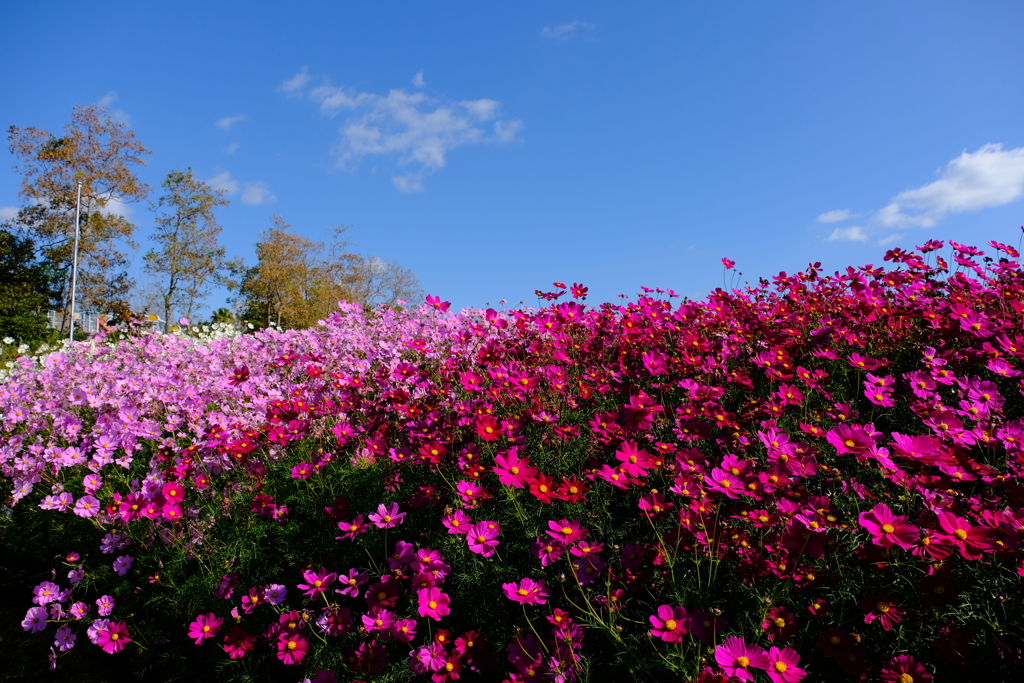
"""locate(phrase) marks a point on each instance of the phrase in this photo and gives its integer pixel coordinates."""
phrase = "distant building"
(86, 321)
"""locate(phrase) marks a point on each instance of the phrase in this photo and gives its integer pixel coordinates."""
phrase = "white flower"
(8, 340)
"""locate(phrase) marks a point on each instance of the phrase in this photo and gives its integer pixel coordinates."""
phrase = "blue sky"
(494, 148)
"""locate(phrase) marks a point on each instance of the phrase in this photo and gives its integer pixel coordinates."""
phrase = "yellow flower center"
(883, 607)
(513, 470)
(780, 622)
(834, 640)
(670, 624)
(780, 667)
(742, 662)
(906, 678)
(960, 535)
(432, 604)
(888, 528)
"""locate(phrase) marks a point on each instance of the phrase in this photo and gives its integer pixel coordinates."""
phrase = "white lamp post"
(74, 263)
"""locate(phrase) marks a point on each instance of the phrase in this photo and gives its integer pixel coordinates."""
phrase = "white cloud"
(231, 149)
(296, 83)
(565, 31)
(416, 129)
(115, 114)
(223, 181)
(113, 206)
(254, 192)
(228, 122)
(257, 193)
(835, 216)
(973, 181)
(417, 80)
(852, 234)
(895, 237)
(409, 183)
(8, 212)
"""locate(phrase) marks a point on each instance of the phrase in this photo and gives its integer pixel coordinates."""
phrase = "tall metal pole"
(74, 263)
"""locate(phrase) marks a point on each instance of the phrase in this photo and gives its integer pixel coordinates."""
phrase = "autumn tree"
(297, 281)
(188, 254)
(101, 154)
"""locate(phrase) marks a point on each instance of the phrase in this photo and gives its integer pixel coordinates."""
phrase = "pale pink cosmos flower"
(387, 517)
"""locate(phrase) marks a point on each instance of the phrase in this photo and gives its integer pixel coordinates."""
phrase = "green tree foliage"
(28, 288)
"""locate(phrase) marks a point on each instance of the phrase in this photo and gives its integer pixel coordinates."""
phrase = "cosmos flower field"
(815, 478)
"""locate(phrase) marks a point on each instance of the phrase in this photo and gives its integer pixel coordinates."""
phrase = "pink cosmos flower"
(291, 648)
(106, 605)
(352, 529)
(566, 531)
(87, 506)
(387, 517)
(379, 620)
(547, 550)
(35, 620)
(904, 668)
(317, 582)
(122, 564)
(513, 470)
(351, 582)
(483, 538)
(204, 627)
(887, 529)
(173, 492)
(670, 623)
(65, 639)
(433, 603)
(275, 593)
(302, 471)
(635, 461)
(404, 630)
(114, 638)
(737, 658)
(782, 666)
(885, 611)
(97, 627)
(46, 592)
(526, 592)
(971, 540)
(457, 522)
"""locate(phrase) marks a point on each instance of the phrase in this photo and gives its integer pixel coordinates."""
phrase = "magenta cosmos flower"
(887, 529)
(670, 623)
(114, 638)
(291, 648)
(782, 666)
(527, 592)
(566, 531)
(737, 658)
(238, 642)
(483, 538)
(433, 603)
(387, 517)
(905, 669)
(317, 582)
(513, 470)
(204, 627)
(971, 540)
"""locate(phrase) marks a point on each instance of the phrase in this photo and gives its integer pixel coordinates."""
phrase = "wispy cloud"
(854, 233)
(835, 216)
(414, 128)
(417, 80)
(254, 192)
(991, 176)
(115, 114)
(228, 122)
(8, 213)
(988, 177)
(231, 149)
(257, 193)
(565, 31)
(296, 83)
